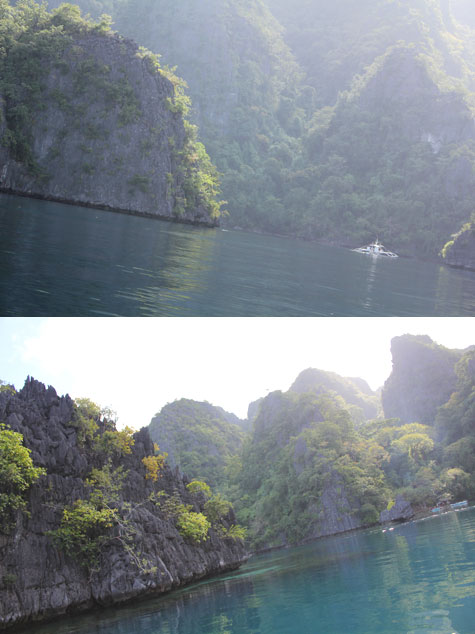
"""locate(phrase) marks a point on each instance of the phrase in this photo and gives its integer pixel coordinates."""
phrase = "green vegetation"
(92, 523)
(305, 450)
(306, 460)
(84, 530)
(154, 464)
(329, 121)
(196, 486)
(17, 474)
(32, 42)
(193, 526)
(95, 430)
(322, 457)
(199, 438)
(465, 232)
(45, 64)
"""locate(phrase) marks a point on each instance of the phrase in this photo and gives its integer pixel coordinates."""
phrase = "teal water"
(418, 578)
(65, 260)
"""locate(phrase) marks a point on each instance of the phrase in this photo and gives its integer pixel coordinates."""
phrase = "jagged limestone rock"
(399, 512)
(38, 579)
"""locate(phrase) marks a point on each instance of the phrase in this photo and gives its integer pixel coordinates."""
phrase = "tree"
(17, 474)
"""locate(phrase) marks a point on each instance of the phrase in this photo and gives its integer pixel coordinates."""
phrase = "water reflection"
(58, 259)
(418, 578)
(371, 276)
(64, 260)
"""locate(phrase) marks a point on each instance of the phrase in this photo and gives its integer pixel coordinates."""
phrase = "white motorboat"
(376, 248)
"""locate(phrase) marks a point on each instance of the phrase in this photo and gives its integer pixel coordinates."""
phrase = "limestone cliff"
(39, 579)
(356, 392)
(198, 437)
(422, 379)
(305, 474)
(88, 117)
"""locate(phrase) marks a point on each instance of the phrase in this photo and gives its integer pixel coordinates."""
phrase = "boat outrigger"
(376, 248)
(444, 506)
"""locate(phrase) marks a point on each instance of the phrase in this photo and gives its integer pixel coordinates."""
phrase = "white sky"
(136, 366)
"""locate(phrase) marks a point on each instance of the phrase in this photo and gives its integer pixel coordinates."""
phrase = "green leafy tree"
(193, 526)
(196, 486)
(84, 530)
(17, 474)
(216, 509)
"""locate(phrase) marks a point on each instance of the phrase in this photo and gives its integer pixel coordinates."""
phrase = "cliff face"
(422, 379)
(355, 392)
(305, 472)
(38, 579)
(92, 119)
(198, 437)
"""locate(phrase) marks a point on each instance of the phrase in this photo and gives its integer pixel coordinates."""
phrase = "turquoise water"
(65, 260)
(418, 578)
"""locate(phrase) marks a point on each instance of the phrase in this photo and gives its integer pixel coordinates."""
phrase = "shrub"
(196, 486)
(106, 482)
(235, 532)
(369, 514)
(115, 442)
(84, 419)
(193, 526)
(84, 529)
(17, 474)
(153, 466)
(216, 508)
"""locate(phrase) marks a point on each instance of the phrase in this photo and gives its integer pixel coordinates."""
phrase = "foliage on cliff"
(246, 92)
(17, 474)
(304, 463)
(321, 458)
(459, 251)
(334, 121)
(198, 437)
(358, 398)
(94, 102)
(95, 517)
(433, 385)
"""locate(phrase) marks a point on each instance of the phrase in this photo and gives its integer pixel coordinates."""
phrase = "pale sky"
(136, 366)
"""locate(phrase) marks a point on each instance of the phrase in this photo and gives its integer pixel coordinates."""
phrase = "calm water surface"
(65, 260)
(416, 579)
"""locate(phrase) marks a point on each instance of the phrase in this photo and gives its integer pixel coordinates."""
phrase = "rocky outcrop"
(355, 392)
(400, 511)
(422, 379)
(198, 437)
(104, 128)
(335, 513)
(460, 251)
(302, 476)
(40, 580)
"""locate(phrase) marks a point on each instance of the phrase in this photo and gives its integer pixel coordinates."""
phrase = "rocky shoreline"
(38, 579)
